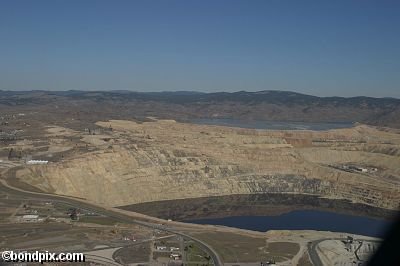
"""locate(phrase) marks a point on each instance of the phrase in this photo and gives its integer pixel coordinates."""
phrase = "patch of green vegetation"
(282, 250)
(97, 220)
(235, 248)
(133, 254)
(4, 216)
(195, 254)
(157, 255)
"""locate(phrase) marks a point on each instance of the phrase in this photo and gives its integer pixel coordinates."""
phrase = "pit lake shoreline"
(304, 220)
(272, 211)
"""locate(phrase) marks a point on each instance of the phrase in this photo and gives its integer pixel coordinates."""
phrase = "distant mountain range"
(262, 105)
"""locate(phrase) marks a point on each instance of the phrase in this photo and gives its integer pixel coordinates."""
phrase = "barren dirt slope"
(140, 162)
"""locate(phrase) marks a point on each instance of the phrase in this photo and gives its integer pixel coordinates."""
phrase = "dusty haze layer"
(126, 162)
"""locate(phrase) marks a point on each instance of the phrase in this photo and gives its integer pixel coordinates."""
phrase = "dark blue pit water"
(305, 220)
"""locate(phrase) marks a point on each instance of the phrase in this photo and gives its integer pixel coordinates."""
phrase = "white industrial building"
(30, 218)
(37, 162)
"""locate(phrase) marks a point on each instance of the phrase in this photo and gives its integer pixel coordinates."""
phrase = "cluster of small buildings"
(174, 255)
(8, 135)
(129, 238)
(95, 131)
(31, 218)
(161, 248)
(268, 262)
(165, 248)
(355, 168)
(360, 169)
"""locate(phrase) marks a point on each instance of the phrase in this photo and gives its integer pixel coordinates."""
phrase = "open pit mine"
(124, 162)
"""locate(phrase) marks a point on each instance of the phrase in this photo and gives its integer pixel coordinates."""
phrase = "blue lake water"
(304, 220)
(273, 125)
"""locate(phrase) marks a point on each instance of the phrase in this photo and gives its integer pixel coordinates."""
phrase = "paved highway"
(315, 259)
(80, 203)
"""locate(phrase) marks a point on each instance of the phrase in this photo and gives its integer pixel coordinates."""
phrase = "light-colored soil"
(161, 160)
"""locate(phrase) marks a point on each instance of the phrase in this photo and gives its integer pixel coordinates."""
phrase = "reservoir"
(271, 125)
(304, 220)
(269, 211)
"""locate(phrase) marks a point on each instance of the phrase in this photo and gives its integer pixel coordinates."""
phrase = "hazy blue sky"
(318, 47)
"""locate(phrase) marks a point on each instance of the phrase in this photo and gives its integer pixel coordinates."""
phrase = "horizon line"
(193, 91)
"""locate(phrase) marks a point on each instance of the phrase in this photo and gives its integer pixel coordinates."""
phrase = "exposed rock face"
(164, 160)
(296, 142)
